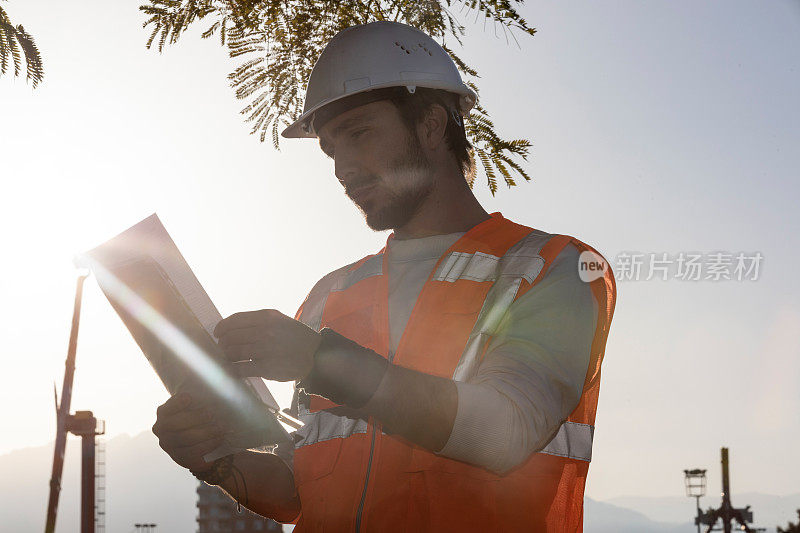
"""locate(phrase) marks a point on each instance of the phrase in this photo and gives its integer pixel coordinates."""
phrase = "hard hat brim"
(303, 127)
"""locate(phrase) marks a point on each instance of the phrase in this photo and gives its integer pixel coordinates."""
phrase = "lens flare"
(205, 365)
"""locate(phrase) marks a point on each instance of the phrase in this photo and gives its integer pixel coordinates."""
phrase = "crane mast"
(83, 424)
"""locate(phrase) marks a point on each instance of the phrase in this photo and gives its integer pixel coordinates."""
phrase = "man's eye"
(357, 133)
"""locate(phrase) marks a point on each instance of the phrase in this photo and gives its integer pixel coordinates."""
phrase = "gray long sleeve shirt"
(533, 372)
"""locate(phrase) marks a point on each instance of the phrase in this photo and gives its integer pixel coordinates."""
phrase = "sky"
(657, 127)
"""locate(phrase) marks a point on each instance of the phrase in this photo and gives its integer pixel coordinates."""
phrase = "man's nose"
(345, 167)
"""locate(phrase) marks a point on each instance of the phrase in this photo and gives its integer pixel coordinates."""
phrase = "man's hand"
(268, 344)
(187, 432)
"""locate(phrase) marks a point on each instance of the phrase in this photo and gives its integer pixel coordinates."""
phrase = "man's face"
(380, 163)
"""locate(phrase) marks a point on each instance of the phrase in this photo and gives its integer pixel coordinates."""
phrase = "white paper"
(149, 239)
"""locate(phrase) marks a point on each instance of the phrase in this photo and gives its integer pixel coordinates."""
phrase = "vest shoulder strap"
(310, 311)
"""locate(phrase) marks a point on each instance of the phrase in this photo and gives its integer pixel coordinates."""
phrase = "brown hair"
(414, 107)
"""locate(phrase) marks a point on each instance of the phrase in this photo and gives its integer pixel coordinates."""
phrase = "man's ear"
(433, 127)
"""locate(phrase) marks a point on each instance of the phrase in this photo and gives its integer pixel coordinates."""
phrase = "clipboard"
(164, 307)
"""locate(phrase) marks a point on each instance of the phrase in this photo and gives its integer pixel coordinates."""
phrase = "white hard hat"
(378, 55)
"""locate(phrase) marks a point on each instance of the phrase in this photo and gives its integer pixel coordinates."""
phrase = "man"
(448, 382)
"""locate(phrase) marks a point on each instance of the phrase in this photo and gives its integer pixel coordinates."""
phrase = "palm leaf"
(278, 41)
(33, 59)
(16, 44)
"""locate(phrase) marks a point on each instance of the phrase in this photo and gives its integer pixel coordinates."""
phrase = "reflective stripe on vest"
(573, 440)
(459, 265)
(373, 266)
(522, 261)
(322, 425)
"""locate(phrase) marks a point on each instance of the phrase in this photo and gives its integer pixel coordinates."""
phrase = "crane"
(83, 424)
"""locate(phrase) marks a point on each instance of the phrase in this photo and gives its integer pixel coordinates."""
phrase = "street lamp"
(696, 488)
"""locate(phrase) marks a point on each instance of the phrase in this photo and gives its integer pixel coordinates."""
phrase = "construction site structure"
(726, 512)
(87, 427)
(100, 486)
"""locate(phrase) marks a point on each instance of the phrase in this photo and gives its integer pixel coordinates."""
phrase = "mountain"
(142, 485)
(768, 510)
(603, 517)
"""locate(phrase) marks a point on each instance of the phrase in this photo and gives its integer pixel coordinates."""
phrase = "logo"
(591, 266)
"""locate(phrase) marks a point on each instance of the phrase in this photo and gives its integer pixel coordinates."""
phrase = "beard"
(409, 175)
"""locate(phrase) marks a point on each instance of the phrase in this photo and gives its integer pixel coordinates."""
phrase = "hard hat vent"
(411, 49)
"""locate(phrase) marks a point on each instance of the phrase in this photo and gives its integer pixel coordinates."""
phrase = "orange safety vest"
(353, 477)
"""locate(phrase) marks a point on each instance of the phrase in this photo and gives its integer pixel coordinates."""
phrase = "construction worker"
(448, 382)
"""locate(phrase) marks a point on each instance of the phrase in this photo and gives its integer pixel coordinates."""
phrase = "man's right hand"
(187, 432)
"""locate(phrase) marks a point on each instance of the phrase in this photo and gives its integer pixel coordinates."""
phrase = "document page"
(154, 291)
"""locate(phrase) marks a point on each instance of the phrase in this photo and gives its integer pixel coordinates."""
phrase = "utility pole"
(727, 513)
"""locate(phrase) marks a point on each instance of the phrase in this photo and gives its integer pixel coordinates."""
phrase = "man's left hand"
(268, 344)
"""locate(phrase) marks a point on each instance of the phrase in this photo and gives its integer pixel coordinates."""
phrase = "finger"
(190, 437)
(191, 457)
(245, 319)
(200, 449)
(240, 352)
(175, 404)
(240, 336)
(181, 421)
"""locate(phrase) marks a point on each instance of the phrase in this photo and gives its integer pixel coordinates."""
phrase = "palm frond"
(278, 41)
(16, 43)
(33, 58)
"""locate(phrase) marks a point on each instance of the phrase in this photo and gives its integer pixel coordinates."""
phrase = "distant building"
(216, 512)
